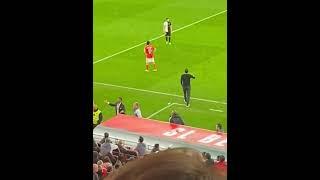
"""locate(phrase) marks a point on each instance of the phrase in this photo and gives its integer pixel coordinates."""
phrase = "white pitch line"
(155, 92)
(171, 104)
(161, 110)
(108, 57)
(179, 104)
(216, 110)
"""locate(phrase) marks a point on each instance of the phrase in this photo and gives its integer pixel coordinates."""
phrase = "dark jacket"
(176, 119)
(185, 79)
(122, 109)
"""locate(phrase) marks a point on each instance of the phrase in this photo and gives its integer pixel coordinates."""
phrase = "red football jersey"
(148, 51)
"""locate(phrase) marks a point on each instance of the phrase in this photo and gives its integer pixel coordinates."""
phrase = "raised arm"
(111, 104)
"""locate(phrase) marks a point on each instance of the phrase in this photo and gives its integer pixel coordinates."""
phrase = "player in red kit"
(149, 52)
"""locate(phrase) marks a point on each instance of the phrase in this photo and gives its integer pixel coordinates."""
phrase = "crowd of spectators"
(114, 160)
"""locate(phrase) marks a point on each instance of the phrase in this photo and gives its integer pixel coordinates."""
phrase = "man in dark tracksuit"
(119, 106)
(185, 83)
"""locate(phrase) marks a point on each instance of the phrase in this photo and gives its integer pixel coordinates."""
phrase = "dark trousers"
(186, 93)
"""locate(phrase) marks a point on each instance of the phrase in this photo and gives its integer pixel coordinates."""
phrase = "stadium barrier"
(129, 128)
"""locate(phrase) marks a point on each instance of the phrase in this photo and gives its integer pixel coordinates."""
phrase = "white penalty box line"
(125, 50)
(155, 92)
(171, 104)
(160, 110)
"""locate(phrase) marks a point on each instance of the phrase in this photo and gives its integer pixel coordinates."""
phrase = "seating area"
(111, 154)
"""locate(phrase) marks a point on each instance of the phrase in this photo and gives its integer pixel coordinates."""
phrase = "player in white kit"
(167, 29)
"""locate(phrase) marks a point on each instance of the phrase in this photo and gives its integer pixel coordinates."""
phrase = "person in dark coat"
(175, 118)
(119, 106)
(106, 136)
(155, 149)
(186, 86)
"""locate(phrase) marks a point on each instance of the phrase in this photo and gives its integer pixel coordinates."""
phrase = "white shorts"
(149, 60)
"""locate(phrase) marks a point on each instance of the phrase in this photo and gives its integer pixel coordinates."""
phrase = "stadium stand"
(122, 152)
(129, 128)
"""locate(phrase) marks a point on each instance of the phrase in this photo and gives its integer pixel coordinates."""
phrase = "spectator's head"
(141, 139)
(106, 165)
(221, 158)
(186, 70)
(106, 135)
(208, 156)
(136, 105)
(100, 162)
(95, 168)
(173, 164)
(204, 154)
(148, 42)
(109, 169)
(120, 142)
(156, 148)
(174, 113)
(190, 152)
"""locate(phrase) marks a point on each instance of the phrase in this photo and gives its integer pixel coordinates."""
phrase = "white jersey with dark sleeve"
(167, 27)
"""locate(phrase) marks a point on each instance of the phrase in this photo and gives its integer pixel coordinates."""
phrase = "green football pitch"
(199, 43)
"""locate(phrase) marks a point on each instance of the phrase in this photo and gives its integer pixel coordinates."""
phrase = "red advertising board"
(166, 130)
